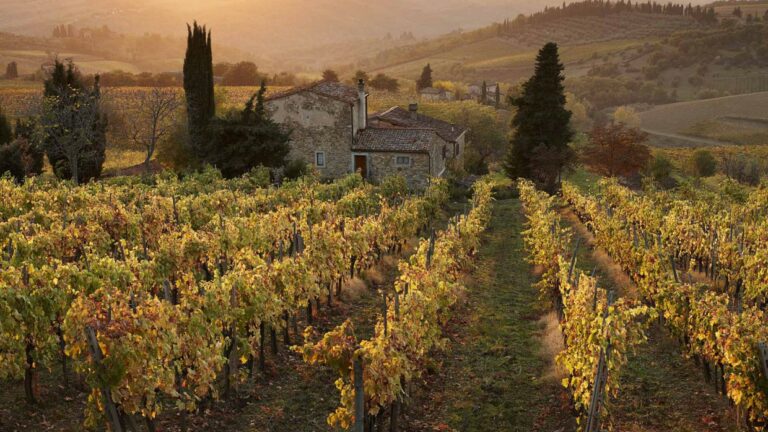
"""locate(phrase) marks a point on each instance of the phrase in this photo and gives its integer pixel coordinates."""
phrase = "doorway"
(361, 165)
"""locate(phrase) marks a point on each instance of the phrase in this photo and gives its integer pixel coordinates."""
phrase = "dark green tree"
(6, 133)
(19, 155)
(539, 148)
(497, 96)
(74, 127)
(11, 161)
(359, 75)
(242, 74)
(247, 139)
(32, 150)
(384, 82)
(330, 75)
(484, 93)
(198, 87)
(12, 71)
(425, 81)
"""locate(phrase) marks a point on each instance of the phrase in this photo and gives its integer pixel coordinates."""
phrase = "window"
(403, 161)
(457, 149)
(320, 159)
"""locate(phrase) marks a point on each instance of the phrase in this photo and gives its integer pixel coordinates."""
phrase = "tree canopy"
(616, 150)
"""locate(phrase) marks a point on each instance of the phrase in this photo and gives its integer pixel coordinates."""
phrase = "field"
(732, 119)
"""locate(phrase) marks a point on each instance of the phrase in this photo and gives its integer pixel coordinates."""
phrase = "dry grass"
(551, 345)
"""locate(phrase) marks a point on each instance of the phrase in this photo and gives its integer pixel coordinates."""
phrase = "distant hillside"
(490, 54)
(267, 28)
(101, 49)
(739, 120)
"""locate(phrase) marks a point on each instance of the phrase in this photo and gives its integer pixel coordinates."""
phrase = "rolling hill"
(266, 27)
(508, 58)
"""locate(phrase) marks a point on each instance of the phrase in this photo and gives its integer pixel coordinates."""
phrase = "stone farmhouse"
(332, 130)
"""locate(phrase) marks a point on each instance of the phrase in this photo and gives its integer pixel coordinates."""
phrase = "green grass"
(585, 180)
(495, 375)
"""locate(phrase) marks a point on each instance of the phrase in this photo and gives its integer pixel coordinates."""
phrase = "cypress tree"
(12, 71)
(425, 81)
(539, 148)
(497, 97)
(198, 86)
(484, 93)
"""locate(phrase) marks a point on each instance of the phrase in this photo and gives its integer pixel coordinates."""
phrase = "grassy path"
(661, 390)
(498, 373)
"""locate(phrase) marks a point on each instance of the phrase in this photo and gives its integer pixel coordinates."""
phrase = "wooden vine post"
(357, 366)
(113, 416)
(597, 397)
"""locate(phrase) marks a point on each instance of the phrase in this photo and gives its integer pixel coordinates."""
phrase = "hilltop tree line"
(606, 7)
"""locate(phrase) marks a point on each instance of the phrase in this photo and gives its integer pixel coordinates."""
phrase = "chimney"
(414, 109)
(362, 105)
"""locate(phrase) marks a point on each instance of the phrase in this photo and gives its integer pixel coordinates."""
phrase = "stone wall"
(317, 124)
(438, 161)
(382, 164)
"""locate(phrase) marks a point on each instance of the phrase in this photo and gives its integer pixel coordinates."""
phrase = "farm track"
(665, 139)
(661, 390)
(498, 371)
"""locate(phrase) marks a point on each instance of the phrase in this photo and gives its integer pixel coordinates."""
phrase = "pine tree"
(425, 81)
(539, 148)
(497, 96)
(247, 139)
(484, 93)
(198, 87)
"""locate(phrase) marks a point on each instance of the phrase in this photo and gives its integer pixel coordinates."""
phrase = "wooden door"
(361, 165)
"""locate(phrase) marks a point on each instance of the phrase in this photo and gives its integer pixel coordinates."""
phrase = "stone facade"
(318, 124)
(384, 164)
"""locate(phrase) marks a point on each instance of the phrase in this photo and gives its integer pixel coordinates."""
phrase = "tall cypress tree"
(425, 81)
(12, 70)
(539, 148)
(484, 93)
(198, 86)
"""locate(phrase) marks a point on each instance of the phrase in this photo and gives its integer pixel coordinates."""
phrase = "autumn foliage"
(616, 150)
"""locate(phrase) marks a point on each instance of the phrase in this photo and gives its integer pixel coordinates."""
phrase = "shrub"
(394, 186)
(704, 164)
(11, 161)
(175, 151)
(660, 170)
(295, 169)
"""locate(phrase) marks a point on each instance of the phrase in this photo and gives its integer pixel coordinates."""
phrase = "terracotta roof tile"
(330, 89)
(403, 118)
(408, 140)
